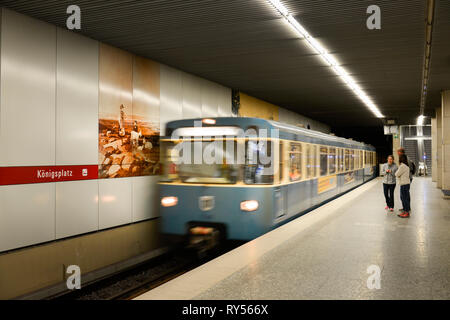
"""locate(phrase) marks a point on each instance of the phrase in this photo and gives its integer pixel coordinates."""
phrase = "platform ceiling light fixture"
(420, 120)
(326, 57)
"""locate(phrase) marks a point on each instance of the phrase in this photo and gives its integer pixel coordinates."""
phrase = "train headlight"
(249, 205)
(169, 201)
(209, 121)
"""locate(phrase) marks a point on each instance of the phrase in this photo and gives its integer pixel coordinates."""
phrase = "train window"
(356, 158)
(180, 162)
(258, 162)
(352, 159)
(280, 162)
(295, 162)
(344, 160)
(310, 161)
(337, 160)
(360, 159)
(332, 160)
(347, 160)
(323, 161)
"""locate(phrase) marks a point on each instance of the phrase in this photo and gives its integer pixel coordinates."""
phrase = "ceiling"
(246, 45)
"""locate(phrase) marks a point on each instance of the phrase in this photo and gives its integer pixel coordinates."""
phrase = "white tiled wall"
(76, 207)
(171, 95)
(224, 100)
(27, 215)
(145, 198)
(76, 99)
(192, 96)
(293, 118)
(28, 87)
(115, 202)
(186, 96)
(210, 101)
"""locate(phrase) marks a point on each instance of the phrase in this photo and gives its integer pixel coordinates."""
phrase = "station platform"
(326, 254)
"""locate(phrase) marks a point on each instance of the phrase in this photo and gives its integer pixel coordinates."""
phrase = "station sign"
(43, 174)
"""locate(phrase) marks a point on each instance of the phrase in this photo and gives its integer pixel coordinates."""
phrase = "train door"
(280, 189)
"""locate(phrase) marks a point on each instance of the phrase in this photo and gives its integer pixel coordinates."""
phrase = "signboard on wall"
(326, 183)
(390, 130)
(44, 174)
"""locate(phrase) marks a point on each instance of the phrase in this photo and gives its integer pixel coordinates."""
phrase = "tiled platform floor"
(326, 253)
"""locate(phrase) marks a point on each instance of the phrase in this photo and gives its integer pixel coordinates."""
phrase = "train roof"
(286, 131)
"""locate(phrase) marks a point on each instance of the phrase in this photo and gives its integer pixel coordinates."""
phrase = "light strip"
(420, 120)
(326, 57)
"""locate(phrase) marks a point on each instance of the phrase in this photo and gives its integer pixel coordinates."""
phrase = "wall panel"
(192, 102)
(76, 99)
(210, 101)
(76, 207)
(224, 96)
(253, 107)
(171, 93)
(27, 215)
(115, 111)
(290, 117)
(145, 198)
(115, 202)
(28, 72)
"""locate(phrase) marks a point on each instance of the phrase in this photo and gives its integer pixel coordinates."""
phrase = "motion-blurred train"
(242, 177)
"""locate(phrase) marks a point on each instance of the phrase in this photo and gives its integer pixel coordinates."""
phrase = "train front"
(217, 182)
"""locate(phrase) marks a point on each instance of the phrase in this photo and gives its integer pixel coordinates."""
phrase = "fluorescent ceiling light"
(420, 120)
(326, 57)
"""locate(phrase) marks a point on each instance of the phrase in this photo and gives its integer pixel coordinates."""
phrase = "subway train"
(238, 178)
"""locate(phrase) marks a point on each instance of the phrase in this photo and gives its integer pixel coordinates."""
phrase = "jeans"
(405, 197)
(389, 194)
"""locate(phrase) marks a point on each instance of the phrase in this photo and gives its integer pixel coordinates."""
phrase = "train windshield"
(198, 161)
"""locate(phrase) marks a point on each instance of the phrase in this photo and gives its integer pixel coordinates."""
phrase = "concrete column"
(439, 147)
(446, 142)
(433, 150)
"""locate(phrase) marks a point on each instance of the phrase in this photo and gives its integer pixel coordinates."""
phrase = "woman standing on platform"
(402, 175)
(389, 169)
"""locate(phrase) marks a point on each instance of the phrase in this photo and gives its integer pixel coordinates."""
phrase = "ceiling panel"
(246, 45)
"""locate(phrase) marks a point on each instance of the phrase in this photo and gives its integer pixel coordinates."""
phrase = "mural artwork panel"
(128, 114)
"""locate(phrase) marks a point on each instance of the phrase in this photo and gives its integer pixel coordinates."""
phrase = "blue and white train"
(245, 195)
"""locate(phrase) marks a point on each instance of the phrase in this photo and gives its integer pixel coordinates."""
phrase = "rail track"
(148, 275)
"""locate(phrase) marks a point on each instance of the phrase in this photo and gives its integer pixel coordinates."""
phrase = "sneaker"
(391, 209)
(386, 208)
(404, 215)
